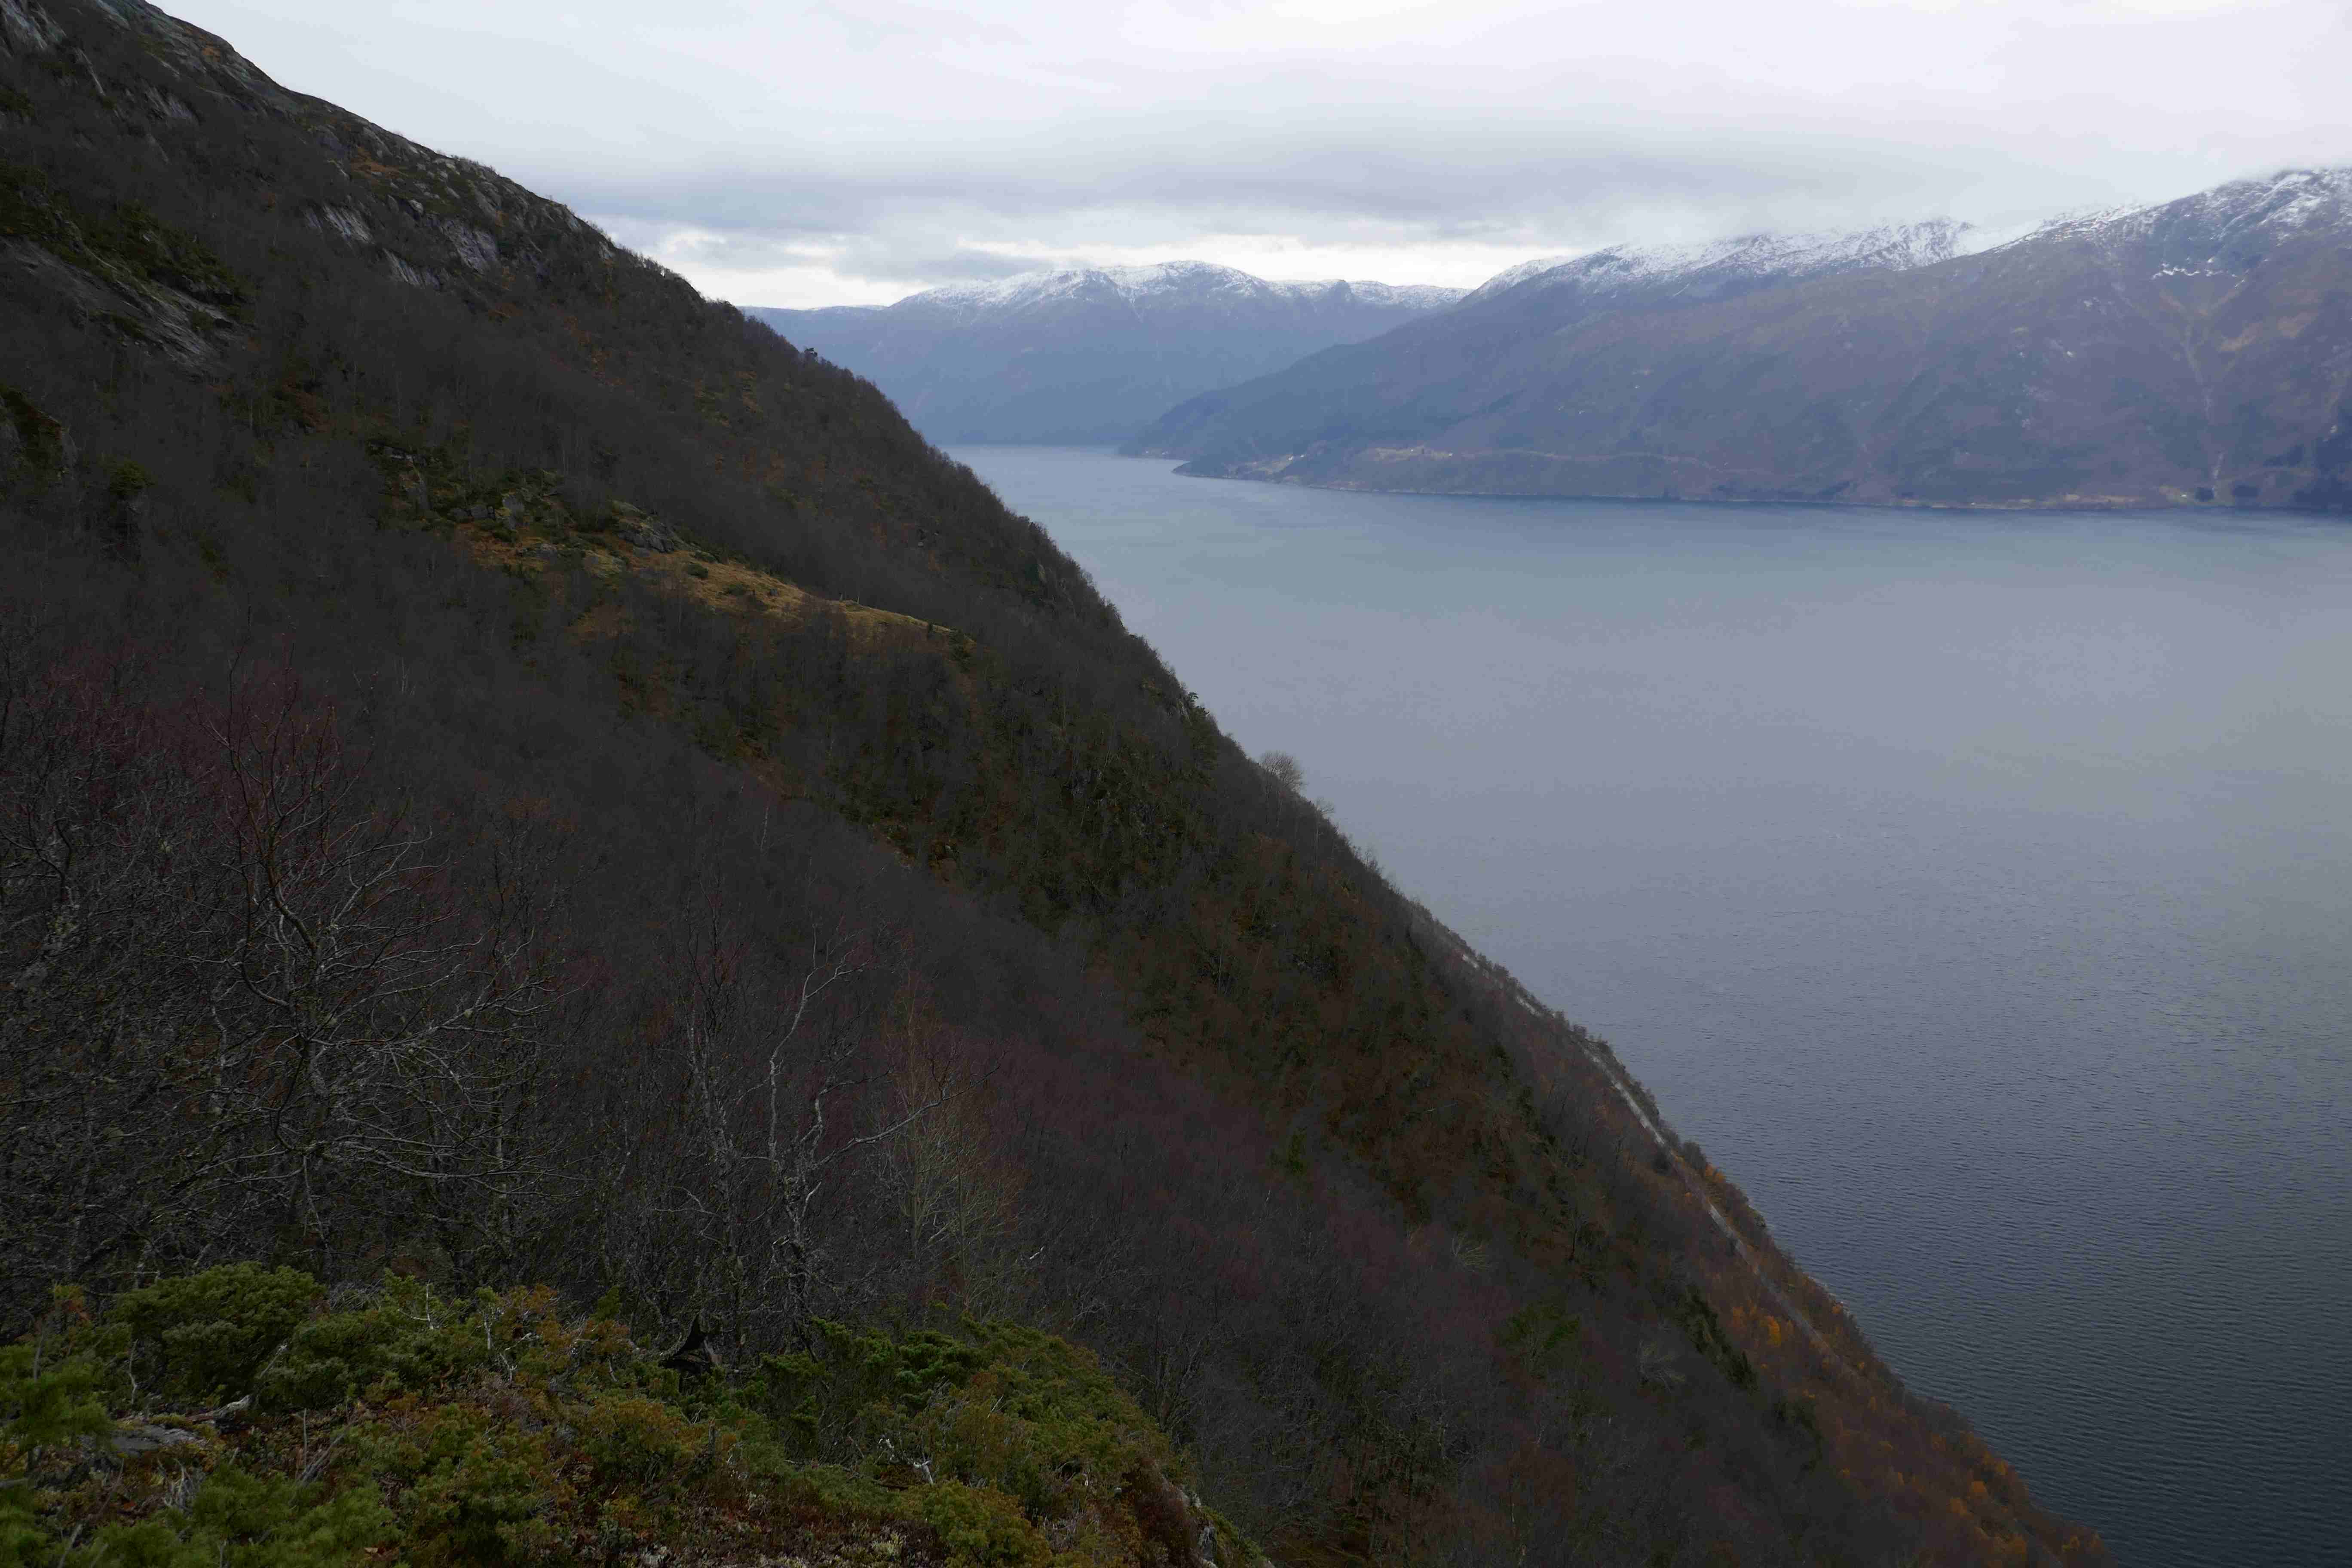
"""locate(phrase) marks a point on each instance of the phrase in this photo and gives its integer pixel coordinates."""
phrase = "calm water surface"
(1974, 888)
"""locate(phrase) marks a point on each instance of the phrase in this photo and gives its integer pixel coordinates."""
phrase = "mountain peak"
(1084, 355)
(1158, 282)
(1893, 247)
(2228, 219)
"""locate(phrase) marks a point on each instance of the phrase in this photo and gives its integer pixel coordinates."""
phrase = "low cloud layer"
(855, 150)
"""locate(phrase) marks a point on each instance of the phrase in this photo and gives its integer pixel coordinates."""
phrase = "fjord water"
(1975, 888)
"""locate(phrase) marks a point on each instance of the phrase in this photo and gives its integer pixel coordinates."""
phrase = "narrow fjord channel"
(1973, 887)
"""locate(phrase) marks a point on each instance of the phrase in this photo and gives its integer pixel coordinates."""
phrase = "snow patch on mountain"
(2226, 218)
(1168, 283)
(1892, 247)
(2270, 207)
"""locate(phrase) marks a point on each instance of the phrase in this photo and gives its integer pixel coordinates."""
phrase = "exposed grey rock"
(341, 222)
(25, 27)
(132, 1441)
(180, 325)
(477, 250)
(168, 105)
(404, 271)
(644, 530)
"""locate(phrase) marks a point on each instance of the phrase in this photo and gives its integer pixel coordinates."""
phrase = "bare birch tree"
(241, 1002)
(780, 1055)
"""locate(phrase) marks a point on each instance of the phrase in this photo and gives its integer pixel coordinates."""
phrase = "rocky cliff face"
(2195, 352)
(1093, 355)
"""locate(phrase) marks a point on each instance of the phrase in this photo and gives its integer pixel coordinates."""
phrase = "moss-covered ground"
(242, 1418)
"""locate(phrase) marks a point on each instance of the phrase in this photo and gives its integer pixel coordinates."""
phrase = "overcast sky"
(853, 151)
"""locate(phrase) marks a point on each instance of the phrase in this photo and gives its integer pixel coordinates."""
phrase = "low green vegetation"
(36, 445)
(241, 1416)
(130, 241)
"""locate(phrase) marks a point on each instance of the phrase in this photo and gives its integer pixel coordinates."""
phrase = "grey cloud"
(876, 23)
(1556, 185)
(895, 140)
(878, 259)
(887, 255)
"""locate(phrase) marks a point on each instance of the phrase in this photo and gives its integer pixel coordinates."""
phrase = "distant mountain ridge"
(1089, 355)
(2187, 353)
(1783, 257)
(1171, 283)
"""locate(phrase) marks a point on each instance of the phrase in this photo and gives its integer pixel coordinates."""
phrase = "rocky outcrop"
(643, 530)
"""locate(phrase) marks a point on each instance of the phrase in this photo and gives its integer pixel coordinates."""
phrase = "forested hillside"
(515, 780)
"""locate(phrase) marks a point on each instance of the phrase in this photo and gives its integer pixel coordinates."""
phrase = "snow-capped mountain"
(1181, 286)
(2256, 213)
(1090, 354)
(2191, 352)
(1782, 257)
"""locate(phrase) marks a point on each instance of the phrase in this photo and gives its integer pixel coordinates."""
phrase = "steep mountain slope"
(1089, 355)
(2193, 352)
(1421, 375)
(512, 775)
